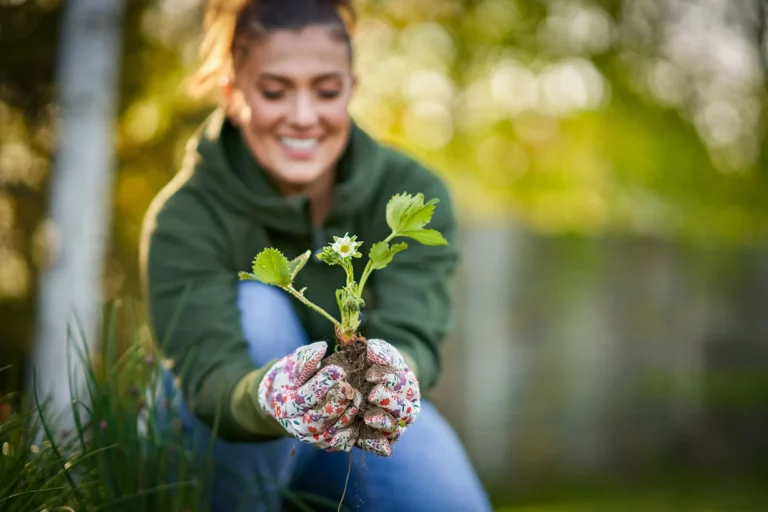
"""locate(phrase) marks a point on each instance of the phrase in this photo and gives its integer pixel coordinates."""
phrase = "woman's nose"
(303, 112)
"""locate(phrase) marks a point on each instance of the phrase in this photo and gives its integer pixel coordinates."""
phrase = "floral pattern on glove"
(313, 405)
(396, 398)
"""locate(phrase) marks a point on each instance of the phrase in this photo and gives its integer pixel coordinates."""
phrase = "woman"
(281, 164)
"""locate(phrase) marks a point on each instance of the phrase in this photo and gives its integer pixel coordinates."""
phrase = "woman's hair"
(231, 25)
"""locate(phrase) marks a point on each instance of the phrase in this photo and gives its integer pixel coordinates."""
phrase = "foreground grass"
(126, 450)
(117, 456)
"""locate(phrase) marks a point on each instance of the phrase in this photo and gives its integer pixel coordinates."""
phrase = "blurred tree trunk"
(80, 194)
(762, 37)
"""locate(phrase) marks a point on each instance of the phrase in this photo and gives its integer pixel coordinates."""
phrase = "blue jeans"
(429, 469)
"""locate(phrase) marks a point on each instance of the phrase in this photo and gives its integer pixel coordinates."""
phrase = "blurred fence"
(580, 357)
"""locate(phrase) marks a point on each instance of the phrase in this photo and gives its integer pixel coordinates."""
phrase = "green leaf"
(381, 253)
(406, 212)
(296, 264)
(271, 267)
(246, 276)
(426, 236)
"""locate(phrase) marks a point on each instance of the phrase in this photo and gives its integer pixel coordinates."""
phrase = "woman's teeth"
(300, 144)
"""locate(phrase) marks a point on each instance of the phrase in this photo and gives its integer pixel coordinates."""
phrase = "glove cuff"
(246, 409)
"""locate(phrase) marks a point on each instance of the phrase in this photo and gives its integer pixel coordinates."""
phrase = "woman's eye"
(272, 95)
(329, 94)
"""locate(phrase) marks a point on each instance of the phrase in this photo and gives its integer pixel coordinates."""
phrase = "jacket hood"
(229, 169)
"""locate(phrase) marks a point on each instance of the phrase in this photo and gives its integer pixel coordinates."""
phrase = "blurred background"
(610, 163)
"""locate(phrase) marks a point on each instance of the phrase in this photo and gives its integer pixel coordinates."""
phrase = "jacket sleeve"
(413, 305)
(191, 293)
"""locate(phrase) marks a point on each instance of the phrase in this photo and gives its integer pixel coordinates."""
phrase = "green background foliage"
(576, 121)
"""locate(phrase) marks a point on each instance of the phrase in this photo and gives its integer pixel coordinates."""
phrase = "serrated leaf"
(246, 276)
(406, 212)
(271, 267)
(381, 253)
(296, 264)
(426, 236)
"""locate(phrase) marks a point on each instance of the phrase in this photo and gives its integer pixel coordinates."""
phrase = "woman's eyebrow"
(276, 78)
(327, 76)
(288, 81)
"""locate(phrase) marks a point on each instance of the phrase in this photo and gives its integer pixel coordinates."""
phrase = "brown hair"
(231, 24)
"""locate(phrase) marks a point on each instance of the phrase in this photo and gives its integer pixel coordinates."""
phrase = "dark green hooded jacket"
(220, 211)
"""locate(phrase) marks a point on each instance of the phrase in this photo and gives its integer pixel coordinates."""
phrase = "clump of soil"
(351, 355)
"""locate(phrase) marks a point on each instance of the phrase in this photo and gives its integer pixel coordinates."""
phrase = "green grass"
(110, 460)
(106, 462)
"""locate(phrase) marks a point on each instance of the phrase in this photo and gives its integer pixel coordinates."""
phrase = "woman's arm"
(192, 303)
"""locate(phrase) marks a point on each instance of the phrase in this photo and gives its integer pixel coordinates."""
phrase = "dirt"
(352, 357)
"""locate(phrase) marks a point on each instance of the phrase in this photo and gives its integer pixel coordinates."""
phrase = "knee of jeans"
(268, 320)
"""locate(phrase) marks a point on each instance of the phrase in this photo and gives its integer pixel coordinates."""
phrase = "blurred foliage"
(125, 450)
(664, 493)
(123, 453)
(572, 119)
(591, 117)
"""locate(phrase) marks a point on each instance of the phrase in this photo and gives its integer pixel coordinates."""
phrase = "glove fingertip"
(334, 372)
(375, 393)
(314, 352)
(377, 446)
(377, 374)
(318, 345)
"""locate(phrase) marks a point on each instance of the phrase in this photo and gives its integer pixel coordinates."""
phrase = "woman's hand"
(316, 406)
(394, 402)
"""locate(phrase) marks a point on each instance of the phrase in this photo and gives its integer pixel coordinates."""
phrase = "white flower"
(345, 246)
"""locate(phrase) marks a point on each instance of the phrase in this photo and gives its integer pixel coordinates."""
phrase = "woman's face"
(290, 98)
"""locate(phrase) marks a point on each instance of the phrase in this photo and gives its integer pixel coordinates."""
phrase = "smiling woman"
(290, 99)
(286, 81)
(281, 164)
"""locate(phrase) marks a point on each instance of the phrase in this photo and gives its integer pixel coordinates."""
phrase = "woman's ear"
(352, 88)
(225, 84)
(229, 100)
(236, 109)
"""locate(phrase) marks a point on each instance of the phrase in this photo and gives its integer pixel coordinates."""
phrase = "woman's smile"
(300, 148)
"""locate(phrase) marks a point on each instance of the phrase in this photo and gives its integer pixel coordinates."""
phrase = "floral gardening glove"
(395, 400)
(313, 406)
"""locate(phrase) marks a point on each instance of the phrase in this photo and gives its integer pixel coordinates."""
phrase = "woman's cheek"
(264, 115)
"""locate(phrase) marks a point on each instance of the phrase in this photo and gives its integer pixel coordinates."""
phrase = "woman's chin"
(298, 180)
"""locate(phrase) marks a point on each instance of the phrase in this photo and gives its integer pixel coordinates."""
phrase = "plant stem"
(347, 265)
(290, 289)
(364, 278)
(368, 269)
